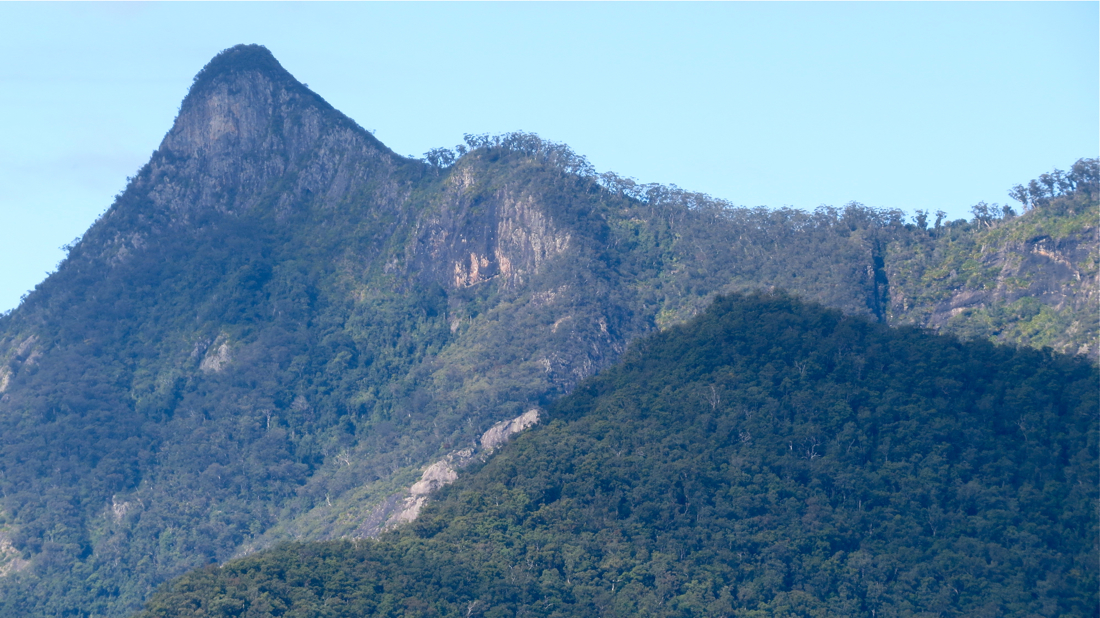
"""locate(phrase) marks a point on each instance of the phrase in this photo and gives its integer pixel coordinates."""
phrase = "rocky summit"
(281, 327)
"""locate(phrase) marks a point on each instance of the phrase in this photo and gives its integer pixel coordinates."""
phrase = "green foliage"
(227, 360)
(1083, 177)
(1028, 280)
(769, 458)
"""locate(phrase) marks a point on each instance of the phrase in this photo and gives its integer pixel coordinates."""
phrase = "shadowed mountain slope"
(769, 458)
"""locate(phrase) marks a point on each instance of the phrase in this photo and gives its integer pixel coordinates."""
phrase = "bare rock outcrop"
(503, 431)
(474, 237)
(217, 357)
(11, 560)
(445, 471)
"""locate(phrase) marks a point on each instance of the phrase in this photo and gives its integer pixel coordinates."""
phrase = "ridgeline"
(280, 323)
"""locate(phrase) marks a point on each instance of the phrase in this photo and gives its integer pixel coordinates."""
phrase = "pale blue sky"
(906, 105)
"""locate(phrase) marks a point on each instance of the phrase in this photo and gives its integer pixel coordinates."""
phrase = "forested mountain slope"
(280, 322)
(1028, 280)
(769, 458)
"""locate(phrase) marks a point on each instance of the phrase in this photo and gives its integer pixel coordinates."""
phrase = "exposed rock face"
(1042, 268)
(217, 356)
(248, 127)
(437, 475)
(445, 471)
(25, 347)
(23, 354)
(10, 560)
(503, 431)
(474, 238)
(119, 509)
(1032, 280)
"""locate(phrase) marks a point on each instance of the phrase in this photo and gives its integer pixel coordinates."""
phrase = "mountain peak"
(234, 101)
(241, 59)
(245, 122)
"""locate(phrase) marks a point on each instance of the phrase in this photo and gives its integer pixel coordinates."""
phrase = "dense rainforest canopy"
(769, 458)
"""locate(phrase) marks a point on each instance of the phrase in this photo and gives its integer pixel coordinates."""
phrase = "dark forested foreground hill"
(769, 458)
(280, 322)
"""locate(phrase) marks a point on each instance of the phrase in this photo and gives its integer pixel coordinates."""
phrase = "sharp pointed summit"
(242, 59)
(235, 101)
(241, 65)
(247, 123)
